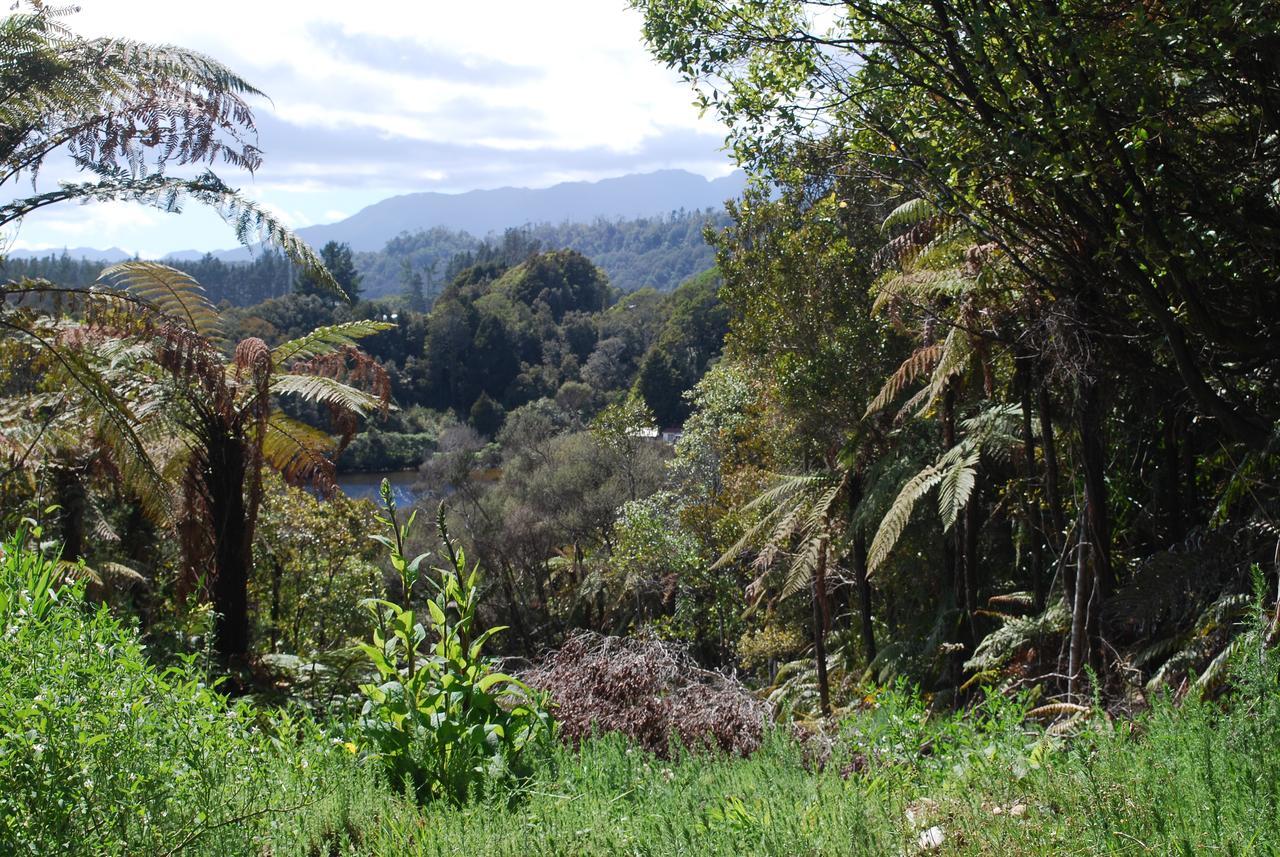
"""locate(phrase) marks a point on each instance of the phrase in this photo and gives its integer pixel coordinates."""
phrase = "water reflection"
(364, 486)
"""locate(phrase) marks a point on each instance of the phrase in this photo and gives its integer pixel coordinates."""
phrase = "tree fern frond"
(909, 213)
(251, 223)
(750, 536)
(1216, 672)
(298, 451)
(917, 285)
(952, 361)
(328, 391)
(324, 340)
(784, 487)
(1057, 709)
(171, 291)
(919, 363)
(899, 515)
(956, 487)
(802, 569)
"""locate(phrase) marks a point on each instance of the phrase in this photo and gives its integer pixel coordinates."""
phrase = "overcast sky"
(378, 98)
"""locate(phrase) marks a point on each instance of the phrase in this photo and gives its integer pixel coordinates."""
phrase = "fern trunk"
(232, 545)
(820, 628)
(1051, 469)
(1030, 514)
(863, 582)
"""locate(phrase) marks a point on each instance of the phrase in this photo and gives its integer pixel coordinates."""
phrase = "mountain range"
(484, 212)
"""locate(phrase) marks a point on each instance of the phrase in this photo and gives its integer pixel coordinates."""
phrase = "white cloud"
(371, 100)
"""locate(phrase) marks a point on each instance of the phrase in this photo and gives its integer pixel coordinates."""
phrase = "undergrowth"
(104, 753)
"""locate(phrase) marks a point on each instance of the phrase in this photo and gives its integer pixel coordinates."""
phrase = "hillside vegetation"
(940, 516)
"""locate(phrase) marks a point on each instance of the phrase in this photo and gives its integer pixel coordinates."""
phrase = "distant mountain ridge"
(483, 212)
(111, 255)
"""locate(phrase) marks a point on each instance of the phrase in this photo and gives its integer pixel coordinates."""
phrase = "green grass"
(103, 753)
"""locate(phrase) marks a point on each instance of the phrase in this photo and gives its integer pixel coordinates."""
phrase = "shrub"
(650, 691)
(102, 753)
(444, 723)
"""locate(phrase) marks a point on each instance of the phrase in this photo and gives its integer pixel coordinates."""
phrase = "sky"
(372, 99)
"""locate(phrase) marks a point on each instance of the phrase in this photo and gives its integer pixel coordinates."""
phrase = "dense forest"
(961, 536)
(658, 252)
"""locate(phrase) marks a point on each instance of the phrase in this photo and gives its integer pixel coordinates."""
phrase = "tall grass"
(104, 753)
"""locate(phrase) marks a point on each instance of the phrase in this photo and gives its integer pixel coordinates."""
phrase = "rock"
(931, 839)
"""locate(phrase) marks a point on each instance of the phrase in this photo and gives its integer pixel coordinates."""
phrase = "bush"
(649, 691)
(102, 753)
(444, 723)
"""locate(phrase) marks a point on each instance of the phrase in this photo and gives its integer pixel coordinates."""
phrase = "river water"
(364, 486)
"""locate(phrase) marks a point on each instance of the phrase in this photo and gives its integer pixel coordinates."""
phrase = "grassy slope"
(100, 753)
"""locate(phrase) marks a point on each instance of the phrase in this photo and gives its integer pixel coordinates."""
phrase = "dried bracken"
(650, 691)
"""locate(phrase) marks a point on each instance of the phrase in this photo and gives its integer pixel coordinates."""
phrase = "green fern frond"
(327, 391)
(899, 515)
(1216, 672)
(918, 286)
(802, 569)
(173, 292)
(325, 340)
(956, 487)
(909, 213)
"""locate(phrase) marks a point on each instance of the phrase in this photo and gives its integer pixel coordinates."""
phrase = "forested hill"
(660, 251)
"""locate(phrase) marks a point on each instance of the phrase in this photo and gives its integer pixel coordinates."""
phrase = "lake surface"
(364, 486)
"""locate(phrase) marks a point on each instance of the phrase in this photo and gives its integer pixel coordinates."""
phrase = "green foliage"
(442, 721)
(103, 753)
(340, 264)
(312, 563)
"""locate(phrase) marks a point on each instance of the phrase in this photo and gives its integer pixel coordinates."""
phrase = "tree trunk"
(949, 540)
(1057, 539)
(820, 628)
(72, 503)
(970, 561)
(1093, 562)
(1079, 611)
(1171, 481)
(863, 582)
(1093, 460)
(232, 546)
(277, 575)
(1030, 516)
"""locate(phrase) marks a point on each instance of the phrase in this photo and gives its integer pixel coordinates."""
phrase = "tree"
(661, 385)
(486, 415)
(124, 111)
(193, 427)
(415, 296)
(339, 263)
